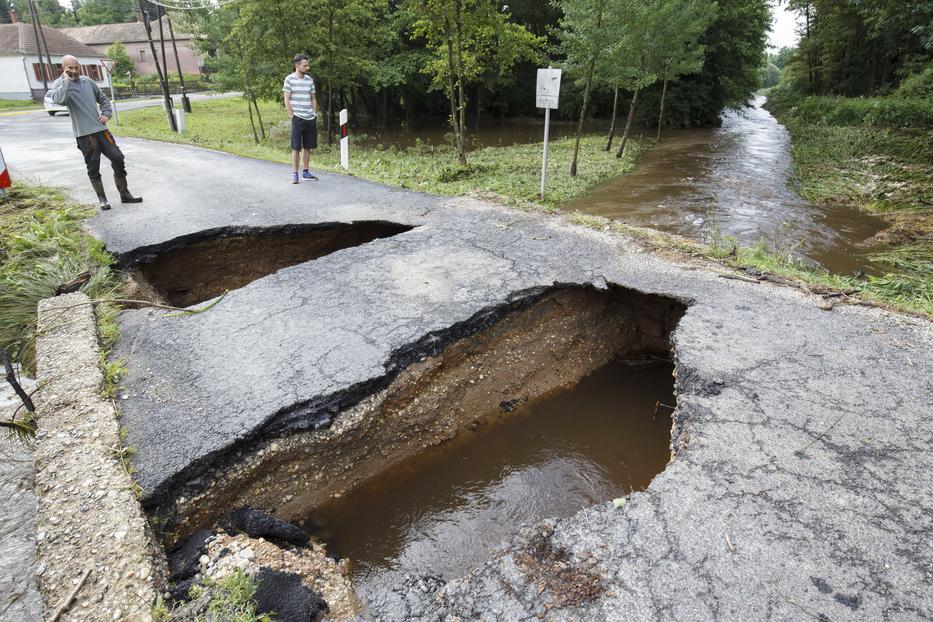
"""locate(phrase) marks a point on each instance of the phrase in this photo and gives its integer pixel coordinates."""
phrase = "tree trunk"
(262, 127)
(586, 97)
(461, 138)
(451, 87)
(384, 108)
(628, 124)
(479, 92)
(330, 79)
(251, 122)
(612, 125)
(661, 112)
(248, 92)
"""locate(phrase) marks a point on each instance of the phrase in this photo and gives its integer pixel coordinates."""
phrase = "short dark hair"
(300, 57)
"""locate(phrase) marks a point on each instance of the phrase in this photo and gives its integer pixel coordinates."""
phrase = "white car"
(51, 107)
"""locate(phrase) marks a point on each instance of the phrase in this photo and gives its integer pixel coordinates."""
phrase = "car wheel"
(51, 113)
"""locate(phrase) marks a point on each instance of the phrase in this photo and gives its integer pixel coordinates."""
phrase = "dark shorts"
(304, 133)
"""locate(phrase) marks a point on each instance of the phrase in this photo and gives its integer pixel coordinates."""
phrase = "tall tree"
(586, 30)
(124, 66)
(734, 44)
(95, 12)
(464, 38)
(347, 35)
(680, 50)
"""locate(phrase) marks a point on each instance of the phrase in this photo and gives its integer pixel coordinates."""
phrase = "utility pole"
(162, 43)
(165, 96)
(46, 70)
(42, 36)
(185, 102)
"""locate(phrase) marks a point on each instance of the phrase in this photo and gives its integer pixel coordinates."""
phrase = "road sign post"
(5, 181)
(547, 94)
(109, 64)
(344, 141)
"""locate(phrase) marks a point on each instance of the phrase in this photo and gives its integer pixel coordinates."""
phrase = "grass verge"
(896, 292)
(18, 104)
(884, 170)
(512, 172)
(42, 246)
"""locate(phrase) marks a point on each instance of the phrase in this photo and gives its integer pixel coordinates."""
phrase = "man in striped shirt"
(301, 104)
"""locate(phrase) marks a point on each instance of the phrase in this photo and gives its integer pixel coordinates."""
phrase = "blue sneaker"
(306, 174)
(295, 178)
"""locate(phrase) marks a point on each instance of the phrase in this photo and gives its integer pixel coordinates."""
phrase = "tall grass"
(44, 246)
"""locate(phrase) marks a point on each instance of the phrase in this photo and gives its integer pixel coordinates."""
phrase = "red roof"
(20, 38)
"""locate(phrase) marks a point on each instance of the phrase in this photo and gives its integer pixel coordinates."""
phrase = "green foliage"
(124, 66)
(892, 112)
(734, 44)
(467, 39)
(512, 172)
(95, 12)
(917, 86)
(16, 104)
(43, 246)
(844, 152)
(232, 599)
(860, 47)
(113, 372)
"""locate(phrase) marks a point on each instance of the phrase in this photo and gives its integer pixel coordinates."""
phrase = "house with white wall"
(21, 68)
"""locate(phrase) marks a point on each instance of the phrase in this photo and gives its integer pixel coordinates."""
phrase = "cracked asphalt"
(802, 486)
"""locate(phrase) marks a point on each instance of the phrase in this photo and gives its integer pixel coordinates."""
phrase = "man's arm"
(314, 101)
(60, 91)
(288, 103)
(287, 92)
(106, 108)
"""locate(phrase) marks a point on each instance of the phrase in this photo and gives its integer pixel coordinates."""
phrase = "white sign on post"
(547, 94)
(547, 91)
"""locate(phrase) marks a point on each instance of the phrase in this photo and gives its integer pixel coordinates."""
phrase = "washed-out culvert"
(554, 401)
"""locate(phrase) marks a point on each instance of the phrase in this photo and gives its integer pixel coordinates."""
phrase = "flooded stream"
(444, 511)
(733, 180)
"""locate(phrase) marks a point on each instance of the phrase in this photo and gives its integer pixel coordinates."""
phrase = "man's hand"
(103, 119)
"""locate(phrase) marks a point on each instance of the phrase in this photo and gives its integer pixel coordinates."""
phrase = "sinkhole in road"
(196, 268)
(532, 408)
(443, 511)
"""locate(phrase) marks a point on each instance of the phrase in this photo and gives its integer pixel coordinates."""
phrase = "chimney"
(14, 18)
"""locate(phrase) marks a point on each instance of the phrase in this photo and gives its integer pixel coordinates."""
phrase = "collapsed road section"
(432, 389)
(799, 438)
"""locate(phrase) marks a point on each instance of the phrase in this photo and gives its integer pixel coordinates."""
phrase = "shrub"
(917, 86)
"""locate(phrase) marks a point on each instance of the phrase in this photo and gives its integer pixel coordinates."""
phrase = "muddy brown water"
(733, 181)
(446, 509)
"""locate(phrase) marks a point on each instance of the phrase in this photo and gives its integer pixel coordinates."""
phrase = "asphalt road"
(801, 486)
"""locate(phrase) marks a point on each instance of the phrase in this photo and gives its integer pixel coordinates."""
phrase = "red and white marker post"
(5, 181)
(344, 141)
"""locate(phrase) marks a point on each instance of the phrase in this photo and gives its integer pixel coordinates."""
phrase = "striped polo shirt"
(301, 89)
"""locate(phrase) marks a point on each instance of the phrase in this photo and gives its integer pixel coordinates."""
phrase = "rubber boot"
(98, 186)
(125, 196)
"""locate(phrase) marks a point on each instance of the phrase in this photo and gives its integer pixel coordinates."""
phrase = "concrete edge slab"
(93, 540)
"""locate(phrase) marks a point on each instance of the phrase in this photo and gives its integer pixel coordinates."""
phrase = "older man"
(90, 111)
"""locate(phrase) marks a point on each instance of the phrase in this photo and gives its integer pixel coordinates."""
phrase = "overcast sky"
(783, 29)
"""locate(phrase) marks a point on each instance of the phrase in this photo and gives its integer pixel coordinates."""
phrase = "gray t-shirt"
(301, 90)
(82, 97)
